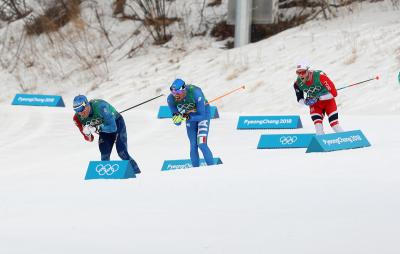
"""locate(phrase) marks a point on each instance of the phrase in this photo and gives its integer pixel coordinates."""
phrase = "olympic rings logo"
(94, 122)
(313, 90)
(288, 140)
(107, 169)
(183, 108)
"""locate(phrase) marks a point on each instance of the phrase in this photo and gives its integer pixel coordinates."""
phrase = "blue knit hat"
(80, 102)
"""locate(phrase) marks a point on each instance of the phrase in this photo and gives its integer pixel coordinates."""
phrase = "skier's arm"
(328, 84)
(171, 104)
(109, 125)
(173, 109)
(299, 93)
(200, 113)
(80, 127)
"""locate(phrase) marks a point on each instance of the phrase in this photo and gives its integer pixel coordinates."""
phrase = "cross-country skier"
(188, 104)
(98, 116)
(321, 93)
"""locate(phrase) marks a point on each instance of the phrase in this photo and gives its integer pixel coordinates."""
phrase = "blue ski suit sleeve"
(202, 110)
(172, 106)
(109, 125)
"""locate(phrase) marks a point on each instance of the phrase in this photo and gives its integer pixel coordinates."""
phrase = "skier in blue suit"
(188, 104)
(98, 116)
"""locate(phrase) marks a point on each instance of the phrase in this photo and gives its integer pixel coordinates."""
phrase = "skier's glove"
(186, 116)
(310, 101)
(88, 130)
(177, 119)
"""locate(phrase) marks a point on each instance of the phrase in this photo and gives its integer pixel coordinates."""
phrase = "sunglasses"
(301, 72)
(180, 91)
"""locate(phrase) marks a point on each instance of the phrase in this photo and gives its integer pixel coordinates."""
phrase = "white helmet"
(303, 66)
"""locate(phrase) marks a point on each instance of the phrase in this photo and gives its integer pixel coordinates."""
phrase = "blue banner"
(338, 141)
(38, 100)
(273, 141)
(183, 164)
(109, 170)
(269, 122)
(164, 112)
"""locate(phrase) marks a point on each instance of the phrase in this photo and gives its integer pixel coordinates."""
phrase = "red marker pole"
(228, 93)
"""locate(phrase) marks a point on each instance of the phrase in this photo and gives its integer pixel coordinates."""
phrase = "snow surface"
(258, 201)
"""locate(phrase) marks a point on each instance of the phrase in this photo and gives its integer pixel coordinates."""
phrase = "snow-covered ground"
(258, 201)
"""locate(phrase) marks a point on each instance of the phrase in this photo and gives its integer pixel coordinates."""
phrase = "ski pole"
(377, 77)
(228, 93)
(137, 105)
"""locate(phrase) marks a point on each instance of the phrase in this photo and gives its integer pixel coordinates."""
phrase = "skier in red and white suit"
(321, 93)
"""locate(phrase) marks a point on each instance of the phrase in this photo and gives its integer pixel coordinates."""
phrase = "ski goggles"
(301, 72)
(179, 91)
(79, 108)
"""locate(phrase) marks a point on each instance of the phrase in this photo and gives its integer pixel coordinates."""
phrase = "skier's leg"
(106, 143)
(122, 144)
(333, 115)
(191, 130)
(337, 128)
(317, 116)
(202, 134)
(319, 129)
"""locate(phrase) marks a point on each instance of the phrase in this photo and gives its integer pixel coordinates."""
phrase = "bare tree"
(11, 10)
(56, 15)
(152, 13)
(313, 8)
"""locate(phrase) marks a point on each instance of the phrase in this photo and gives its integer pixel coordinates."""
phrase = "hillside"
(355, 46)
